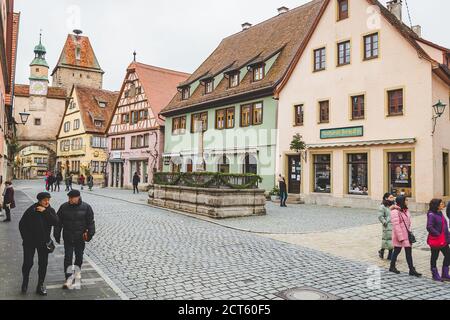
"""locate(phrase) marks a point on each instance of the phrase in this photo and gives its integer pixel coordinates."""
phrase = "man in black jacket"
(136, 181)
(35, 228)
(76, 221)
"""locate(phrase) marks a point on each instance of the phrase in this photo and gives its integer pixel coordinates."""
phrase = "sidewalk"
(93, 287)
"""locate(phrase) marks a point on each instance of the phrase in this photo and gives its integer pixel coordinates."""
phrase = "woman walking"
(90, 182)
(438, 239)
(385, 219)
(401, 225)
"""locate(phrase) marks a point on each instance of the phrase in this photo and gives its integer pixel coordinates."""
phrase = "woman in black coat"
(8, 200)
(35, 228)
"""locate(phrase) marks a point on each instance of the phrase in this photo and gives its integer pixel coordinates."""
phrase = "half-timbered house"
(136, 132)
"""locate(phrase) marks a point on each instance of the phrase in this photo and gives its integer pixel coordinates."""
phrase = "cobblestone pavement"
(94, 286)
(293, 219)
(156, 254)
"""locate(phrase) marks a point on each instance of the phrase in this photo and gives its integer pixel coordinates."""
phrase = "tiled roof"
(22, 90)
(159, 84)
(285, 32)
(88, 60)
(15, 36)
(88, 102)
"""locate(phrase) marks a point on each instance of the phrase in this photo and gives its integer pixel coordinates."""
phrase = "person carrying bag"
(438, 239)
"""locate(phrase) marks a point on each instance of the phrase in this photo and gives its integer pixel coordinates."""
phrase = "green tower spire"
(39, 52)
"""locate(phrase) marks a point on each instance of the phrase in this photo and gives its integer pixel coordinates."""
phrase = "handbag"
(439, 241)
(49, 245)
(411, 237)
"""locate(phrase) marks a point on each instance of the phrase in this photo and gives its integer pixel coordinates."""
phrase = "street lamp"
(24, 116)
(439, 109)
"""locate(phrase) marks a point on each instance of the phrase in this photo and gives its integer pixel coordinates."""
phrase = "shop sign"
(342, 133)
(115, 155)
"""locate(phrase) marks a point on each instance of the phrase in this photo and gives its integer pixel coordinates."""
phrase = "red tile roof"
(88, 102)
(88, 60)
(22, 90)
(159, 84)
(283, 33)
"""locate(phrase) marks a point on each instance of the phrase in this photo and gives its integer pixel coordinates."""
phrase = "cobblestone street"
(150, 253)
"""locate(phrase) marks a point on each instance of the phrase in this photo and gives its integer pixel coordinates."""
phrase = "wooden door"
(294, 174)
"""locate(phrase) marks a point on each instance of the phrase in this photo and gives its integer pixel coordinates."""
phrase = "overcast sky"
(175, 34)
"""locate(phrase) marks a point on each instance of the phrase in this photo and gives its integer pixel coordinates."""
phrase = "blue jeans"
(284, 197)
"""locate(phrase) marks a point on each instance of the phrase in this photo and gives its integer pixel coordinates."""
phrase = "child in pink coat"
(401, 224)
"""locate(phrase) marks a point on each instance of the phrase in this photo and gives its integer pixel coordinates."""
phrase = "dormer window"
(185, 93)
(102, 104)
(98, 124)
(72, 105)
(258, 72)
(234, 80)
(209, 86)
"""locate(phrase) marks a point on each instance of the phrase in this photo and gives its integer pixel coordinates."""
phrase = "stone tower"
(77, 64)
(39, 78)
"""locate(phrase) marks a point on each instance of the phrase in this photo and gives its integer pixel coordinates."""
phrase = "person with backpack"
(438, 239)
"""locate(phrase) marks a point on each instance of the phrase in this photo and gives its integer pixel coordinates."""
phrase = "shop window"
(400, 173)
(358, 173)
(224, 165)
(322, 173)
(250, 164)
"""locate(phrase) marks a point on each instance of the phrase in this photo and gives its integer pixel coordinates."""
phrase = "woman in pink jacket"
(401, 225)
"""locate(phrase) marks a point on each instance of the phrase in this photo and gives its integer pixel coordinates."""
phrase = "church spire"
(39, 54)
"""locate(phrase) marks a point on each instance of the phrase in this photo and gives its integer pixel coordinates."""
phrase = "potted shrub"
(275, 194)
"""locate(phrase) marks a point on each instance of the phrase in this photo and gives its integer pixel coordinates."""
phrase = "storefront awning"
(362, 143)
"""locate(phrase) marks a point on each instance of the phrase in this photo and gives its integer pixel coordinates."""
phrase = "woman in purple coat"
(436, 224)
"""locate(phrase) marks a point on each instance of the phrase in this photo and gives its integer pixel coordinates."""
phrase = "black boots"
(394, 270)
(414, 273)
(24, 285)
(41, 290)
(381, 254)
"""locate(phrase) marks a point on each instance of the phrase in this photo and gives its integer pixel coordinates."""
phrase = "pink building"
(136, 132)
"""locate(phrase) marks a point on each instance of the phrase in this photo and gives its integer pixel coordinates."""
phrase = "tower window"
(78, 53)
(37, 69)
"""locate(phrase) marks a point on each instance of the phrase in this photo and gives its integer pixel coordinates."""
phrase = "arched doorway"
(33, 161)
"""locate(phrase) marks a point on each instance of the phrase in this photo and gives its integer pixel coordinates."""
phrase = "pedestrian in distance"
(46, 179)
(67, 181)
(59, 179)
(8, 200)
(283, 191)
(402, 237)
(136, 181)
(90, 182)
(35, 229)
(82, 181)
(70, 182)
(51, 182)
(387, 205)
(438, 239)
(76, 222)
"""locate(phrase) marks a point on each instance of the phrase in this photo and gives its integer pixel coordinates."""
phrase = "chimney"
(283, 10)
(246, 26)
(417, 30)
(395, 7)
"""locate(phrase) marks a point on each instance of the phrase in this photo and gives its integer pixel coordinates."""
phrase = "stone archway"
(50, 146)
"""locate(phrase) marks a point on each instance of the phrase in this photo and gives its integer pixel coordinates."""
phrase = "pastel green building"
(224, 117)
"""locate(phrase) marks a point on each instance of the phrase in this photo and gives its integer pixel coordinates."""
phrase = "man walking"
(59, 179)
(90, 181)
(136, 181)
(76, 221)
(8, 200)
(35, 229)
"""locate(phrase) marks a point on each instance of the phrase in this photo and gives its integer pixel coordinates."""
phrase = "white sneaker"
(68, 283)
(78, 275)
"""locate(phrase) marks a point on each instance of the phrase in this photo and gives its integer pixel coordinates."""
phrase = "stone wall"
(66, 78)
(214, 203)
